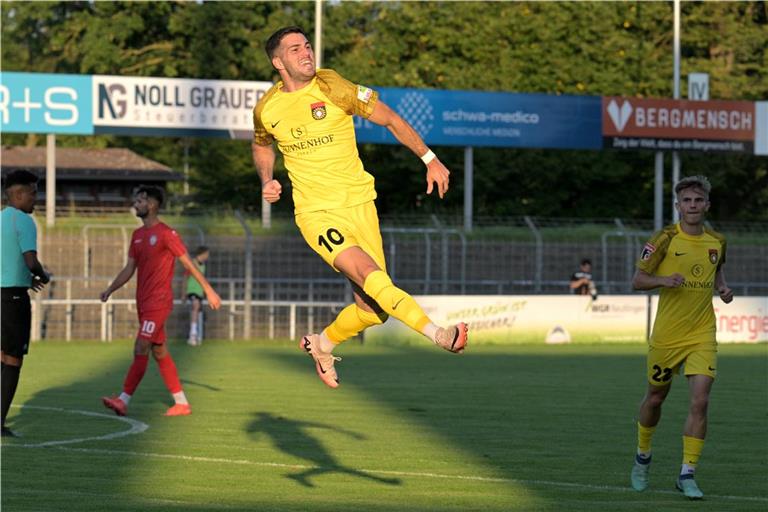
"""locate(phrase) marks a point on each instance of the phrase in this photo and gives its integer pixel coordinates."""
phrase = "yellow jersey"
(315, 133)
(685, 315)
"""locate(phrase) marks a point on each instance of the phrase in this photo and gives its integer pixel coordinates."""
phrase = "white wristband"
(428, 156)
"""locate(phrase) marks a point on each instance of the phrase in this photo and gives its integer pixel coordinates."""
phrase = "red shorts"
(152, 325)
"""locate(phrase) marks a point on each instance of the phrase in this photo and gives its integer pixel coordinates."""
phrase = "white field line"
(415, 474)
(138, 427)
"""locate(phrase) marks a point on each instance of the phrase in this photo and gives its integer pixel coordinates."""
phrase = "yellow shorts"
(690, 360)
(329, 232)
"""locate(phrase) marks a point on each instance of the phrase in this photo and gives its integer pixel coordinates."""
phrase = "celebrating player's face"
(692, 203)
(296, 57)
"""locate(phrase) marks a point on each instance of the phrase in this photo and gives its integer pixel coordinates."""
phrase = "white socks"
(125, 398)
(326, 345)
(430, 331)
(180, 398)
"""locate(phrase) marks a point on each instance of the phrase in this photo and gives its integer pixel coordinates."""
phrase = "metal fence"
(273, 285)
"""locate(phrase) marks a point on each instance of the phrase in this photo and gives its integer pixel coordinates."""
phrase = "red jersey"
(155, 251)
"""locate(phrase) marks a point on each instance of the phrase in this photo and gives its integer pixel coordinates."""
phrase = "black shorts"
(16, 321)
(193, 296)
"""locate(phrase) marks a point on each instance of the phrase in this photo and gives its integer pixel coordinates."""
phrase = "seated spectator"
(581, 280)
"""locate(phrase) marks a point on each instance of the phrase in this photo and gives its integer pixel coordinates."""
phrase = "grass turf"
(526, 428)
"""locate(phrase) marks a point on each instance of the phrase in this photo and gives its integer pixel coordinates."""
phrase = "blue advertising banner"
(467, 118)
(45, 103)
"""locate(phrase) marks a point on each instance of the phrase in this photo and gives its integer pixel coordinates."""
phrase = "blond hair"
(700, 182)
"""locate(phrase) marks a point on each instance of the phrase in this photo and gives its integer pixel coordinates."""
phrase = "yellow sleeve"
(654, 250)
(260, 134)
(351, 98)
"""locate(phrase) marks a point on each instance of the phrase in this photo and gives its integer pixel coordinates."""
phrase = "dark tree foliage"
(600, 48)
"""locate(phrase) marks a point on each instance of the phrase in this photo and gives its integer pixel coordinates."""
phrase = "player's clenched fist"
(726, 294)
(674, 281)
(271, 191)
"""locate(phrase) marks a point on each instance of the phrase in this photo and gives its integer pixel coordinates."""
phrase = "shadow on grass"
(293, 438)
(552, 417)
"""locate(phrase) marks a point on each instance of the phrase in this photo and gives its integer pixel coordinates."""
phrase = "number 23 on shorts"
(331, 239)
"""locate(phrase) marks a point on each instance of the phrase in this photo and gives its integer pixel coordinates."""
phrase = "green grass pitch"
(507, 428)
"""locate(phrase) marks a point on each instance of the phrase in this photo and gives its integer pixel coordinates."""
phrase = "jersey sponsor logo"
(138, 240)
(680, 253)
(713, 256)
(153, 240)
(364, 93)
(308, 144)
(648, 250)
(275, 124)
(318, 110)
(697, 270)
(298, 132)
(697, 285)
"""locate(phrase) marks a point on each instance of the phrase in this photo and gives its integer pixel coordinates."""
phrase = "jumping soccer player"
(686, 261)
(153, 251)
(309, 113)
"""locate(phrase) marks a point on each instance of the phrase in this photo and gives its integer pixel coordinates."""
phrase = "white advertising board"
(532, 318)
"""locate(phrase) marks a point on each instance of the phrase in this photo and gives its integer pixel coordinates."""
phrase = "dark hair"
(19, 177)
(274, 40)
(201, 249)
(586, 261)
(152, 191)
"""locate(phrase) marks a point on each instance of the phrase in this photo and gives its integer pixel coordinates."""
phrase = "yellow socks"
(395, 301)
(691, 452)
(351, 321)
(644, 435)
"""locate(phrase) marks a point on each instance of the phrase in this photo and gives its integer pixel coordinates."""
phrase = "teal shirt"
(193, 286)
(19, 235)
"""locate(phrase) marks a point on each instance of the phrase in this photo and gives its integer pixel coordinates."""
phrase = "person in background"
(153, 252)
(21, 270)
(581, 280)
(194, 293)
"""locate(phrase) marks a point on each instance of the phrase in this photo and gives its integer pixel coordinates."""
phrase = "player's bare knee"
(159, 351)
(699, 404)
(142, 347)
(656, 396)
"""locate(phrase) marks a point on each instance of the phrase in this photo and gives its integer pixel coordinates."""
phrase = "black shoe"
(6, 432)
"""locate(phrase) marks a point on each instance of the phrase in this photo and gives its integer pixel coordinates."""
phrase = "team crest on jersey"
(648, 250)
(318, 110)
(713, 256)
(153, 240)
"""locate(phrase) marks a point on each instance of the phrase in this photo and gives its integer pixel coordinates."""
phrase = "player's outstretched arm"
(726, 294)
(264, 160)
(645, 281)
(123, 277)
(437, 173)
(214, 301)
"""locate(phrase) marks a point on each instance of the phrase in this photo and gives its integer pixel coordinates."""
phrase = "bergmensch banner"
(680, 125)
